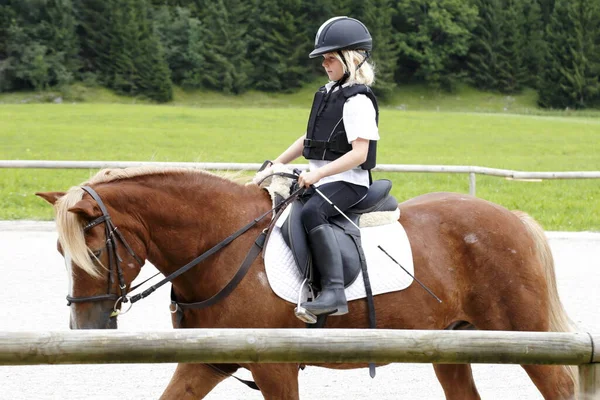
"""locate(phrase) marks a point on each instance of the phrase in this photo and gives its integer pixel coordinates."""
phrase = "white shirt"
(359, 122)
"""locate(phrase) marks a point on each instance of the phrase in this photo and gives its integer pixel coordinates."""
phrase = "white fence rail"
(308, 346)
(449, 169)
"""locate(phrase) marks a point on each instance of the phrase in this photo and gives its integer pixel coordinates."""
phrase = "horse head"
(102, 256)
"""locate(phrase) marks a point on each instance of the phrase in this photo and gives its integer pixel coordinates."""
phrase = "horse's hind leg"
(457, 381)
(193, 381)
(553, 381)
(276, 381)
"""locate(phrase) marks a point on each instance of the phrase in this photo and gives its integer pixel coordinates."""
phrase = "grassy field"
(238, 133)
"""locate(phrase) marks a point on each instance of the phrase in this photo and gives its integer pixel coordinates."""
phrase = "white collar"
(330, 84)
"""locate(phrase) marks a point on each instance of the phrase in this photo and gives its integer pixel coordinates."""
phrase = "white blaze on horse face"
(69, 266)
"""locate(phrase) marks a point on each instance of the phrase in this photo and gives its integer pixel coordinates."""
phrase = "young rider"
(340, 145)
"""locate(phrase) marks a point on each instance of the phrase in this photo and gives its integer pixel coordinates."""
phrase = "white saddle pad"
(384, 274)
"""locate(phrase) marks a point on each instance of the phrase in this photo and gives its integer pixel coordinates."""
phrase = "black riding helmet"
(341, 33)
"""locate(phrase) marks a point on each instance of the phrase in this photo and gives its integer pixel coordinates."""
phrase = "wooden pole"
(294, 346)
(589, 374)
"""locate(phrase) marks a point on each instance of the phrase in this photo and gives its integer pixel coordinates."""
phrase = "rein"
(113, 236)
(250, 257)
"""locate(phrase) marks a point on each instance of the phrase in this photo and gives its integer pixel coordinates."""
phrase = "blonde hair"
(365, 74)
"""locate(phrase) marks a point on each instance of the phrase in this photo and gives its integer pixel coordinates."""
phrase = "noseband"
(113, 237)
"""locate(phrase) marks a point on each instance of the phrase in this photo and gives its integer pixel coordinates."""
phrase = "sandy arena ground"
(34, 285)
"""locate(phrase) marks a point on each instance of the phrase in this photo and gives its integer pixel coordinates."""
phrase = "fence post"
(472, 183)
(589, 374)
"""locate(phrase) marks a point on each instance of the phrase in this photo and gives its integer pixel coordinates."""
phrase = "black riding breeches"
(317, 210)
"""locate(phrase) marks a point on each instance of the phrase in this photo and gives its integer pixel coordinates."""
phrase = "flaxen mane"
(70, 226)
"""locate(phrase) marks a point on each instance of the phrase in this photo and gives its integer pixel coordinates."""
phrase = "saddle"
(378, 198)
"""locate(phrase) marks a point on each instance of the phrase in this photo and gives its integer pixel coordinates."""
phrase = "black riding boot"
(328, 260)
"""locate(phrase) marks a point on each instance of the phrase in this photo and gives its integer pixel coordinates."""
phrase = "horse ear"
(87, 209)
(50, 197)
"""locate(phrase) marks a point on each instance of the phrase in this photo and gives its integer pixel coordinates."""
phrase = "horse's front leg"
(194, 381)
(276, 381)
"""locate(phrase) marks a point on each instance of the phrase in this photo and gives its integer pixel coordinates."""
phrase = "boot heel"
(341, 310)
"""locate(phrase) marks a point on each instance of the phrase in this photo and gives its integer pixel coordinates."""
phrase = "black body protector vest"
(326, 135)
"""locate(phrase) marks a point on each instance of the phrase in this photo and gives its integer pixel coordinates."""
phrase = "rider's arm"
(292, 152)
(352, 159)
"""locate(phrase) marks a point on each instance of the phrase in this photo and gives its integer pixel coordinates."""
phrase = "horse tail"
(558, 318)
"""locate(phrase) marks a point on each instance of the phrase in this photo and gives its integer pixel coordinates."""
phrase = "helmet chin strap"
(346, 73)
(366, 54)
(344, 78)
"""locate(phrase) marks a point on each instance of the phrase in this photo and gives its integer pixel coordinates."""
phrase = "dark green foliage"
(571, 78)
(40, 46)
(182, 38)
(511, 71)
(225, 25)
(546, 8)
(142, 47)
(314, 14)
(433, 36)
(275, 31)
(377, 16)
(483, 59)
(7, 14)
(508, 46)
(120, 45)
(534, 48)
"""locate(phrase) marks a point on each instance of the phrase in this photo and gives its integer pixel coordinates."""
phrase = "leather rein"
(114, 236)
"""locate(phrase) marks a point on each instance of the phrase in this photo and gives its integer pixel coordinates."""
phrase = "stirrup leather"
(304, 294)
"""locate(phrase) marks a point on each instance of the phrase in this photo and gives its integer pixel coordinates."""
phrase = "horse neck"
(183, 220)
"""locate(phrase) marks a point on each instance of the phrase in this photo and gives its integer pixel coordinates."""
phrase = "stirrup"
(302, 313)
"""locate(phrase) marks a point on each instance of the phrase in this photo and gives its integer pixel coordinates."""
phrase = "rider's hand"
(309, 178)
(260, 175)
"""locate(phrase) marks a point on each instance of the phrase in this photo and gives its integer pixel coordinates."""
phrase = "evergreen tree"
(94, 34)
(546, 8)
(182, 40)
(502, 52)
(121, 46)
(433, 37)
(314, 14)
(225, 28)
(120, 70)
(40, 45)
(7, 14)
(377, 16)
(571, 77)
(483, 57)
(534, 48)
(276, 29)
(150, 62)
(512, 73)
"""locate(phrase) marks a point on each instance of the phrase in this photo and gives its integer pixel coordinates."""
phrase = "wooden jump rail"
(308, 346)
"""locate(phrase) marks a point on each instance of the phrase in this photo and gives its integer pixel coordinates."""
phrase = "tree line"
(144, 47)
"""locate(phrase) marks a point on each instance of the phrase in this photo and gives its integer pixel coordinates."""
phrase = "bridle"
(113, 237)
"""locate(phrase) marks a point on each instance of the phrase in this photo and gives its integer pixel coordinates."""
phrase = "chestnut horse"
(492, 268)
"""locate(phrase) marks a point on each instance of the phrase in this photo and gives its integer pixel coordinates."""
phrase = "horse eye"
(97, 253)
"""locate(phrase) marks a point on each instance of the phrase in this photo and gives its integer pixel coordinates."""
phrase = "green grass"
(405, 97)
(224, 129)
